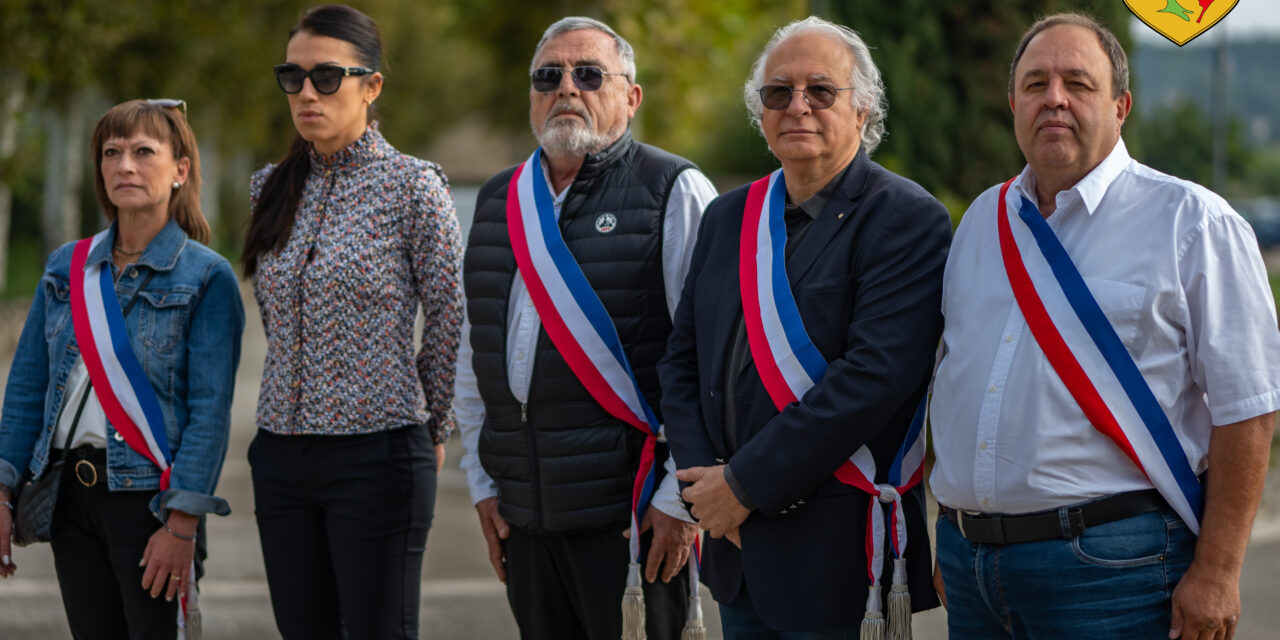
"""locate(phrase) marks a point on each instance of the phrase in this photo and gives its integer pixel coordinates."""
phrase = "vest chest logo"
(606, 222)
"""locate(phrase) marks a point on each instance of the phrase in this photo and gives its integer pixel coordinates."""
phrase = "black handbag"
(35, 498)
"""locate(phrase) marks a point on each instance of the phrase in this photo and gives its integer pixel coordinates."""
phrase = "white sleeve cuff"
(667, 498)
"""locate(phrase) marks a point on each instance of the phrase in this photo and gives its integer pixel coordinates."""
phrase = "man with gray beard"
(573, 270)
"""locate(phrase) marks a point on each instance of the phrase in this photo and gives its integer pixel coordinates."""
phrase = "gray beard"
(571, 137)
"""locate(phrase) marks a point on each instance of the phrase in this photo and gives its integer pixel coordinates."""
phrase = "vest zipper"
(533, 464)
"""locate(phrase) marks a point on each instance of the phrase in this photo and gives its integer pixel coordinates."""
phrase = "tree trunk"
(14, 98)
(64, 159)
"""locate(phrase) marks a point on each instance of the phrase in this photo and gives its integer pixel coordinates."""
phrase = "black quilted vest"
(561, 462)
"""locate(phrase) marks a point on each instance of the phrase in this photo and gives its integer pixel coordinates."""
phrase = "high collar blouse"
(375, 236)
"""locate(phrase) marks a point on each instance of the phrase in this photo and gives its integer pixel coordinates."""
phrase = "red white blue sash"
(119, 381)
(790, 364)
(1155, 449)
(576, 320)
(127, 398)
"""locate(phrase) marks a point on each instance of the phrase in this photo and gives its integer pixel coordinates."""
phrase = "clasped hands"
(712, 502)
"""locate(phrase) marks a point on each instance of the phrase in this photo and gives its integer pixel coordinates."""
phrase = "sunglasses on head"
(777, 97)
(547, 79)
(170, 103)
(326, 78)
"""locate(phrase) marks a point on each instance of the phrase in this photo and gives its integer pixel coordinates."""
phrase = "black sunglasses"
(170, 103)
(326, 78)
(777, 97)
(547, 79)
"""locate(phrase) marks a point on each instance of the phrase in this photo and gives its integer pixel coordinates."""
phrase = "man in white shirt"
(1095, 409)
(550, 466)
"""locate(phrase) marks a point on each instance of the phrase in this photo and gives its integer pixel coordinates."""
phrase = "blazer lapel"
(841, 207)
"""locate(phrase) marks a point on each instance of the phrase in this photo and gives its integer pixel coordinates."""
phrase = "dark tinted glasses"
(818, 96)
(547, 79)
(326, 78)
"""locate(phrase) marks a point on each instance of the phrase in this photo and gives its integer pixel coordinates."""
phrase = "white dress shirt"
(689, 196)
(1177, 273)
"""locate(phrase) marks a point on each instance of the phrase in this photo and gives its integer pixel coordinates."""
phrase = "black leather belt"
(85, 463)
(1062, 523)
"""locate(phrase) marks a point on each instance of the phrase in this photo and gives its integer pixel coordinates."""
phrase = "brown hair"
(168, 125)
(1110, 46)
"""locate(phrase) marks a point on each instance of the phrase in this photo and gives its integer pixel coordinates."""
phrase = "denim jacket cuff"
(8, 474)
(196, 504)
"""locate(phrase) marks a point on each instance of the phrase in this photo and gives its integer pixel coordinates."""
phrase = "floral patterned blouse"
(375, 235)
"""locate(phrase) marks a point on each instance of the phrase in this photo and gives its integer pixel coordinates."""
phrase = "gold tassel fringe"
(872, 626)
(633, 606)
(899, 603)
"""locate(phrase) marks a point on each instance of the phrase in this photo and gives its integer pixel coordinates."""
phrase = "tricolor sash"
(127, 398)
(576, 320)
(1156, 449)
(790, 364)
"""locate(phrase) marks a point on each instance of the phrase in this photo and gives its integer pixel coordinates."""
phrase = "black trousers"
(98, 537)
(569, 586)
(343, 522)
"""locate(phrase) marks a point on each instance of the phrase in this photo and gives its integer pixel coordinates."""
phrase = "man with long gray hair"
(801, 351)
(573, 272)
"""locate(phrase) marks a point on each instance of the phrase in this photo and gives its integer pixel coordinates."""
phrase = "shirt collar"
(369, 146)
(1092, 187)
(817, 202)
(161, 253)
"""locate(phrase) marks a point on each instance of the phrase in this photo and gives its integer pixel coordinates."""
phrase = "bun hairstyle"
(277, 204)
(168, 125)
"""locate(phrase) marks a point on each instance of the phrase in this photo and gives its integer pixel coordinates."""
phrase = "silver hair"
(580, 23)
(868, 89)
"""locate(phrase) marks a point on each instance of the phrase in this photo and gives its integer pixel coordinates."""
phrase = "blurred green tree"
(946, 73)
(1178, 140)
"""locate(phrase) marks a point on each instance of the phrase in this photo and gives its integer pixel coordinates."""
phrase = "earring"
(176, 184)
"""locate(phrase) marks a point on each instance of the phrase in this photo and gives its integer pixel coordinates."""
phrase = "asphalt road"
(461, 598)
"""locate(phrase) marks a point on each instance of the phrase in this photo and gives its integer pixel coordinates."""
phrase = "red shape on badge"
(1204, 6)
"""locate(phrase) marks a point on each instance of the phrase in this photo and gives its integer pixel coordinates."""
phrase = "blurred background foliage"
(457, 93)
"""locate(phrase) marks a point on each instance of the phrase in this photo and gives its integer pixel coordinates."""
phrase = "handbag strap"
(84, 397)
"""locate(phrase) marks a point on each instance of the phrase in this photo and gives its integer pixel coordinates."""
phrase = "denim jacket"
(185, 329)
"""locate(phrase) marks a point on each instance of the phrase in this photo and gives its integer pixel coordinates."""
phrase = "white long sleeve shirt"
(690, 194)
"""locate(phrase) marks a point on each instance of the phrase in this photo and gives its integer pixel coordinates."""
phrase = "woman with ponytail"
(348, 239)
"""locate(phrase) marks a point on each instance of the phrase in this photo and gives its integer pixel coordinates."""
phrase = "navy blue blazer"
(867, 278)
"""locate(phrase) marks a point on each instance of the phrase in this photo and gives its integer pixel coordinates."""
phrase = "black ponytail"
(277, 206)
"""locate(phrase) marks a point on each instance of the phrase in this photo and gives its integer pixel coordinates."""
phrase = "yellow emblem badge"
(1180, 20)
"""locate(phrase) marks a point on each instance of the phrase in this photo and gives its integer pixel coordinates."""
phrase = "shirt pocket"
(57, 305)
(162, 318)
(1122, 304)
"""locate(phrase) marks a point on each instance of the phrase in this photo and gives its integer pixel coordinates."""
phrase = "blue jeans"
(738, 621)
(1115, 581)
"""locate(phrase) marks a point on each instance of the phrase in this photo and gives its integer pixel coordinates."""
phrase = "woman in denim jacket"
(184, 322)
